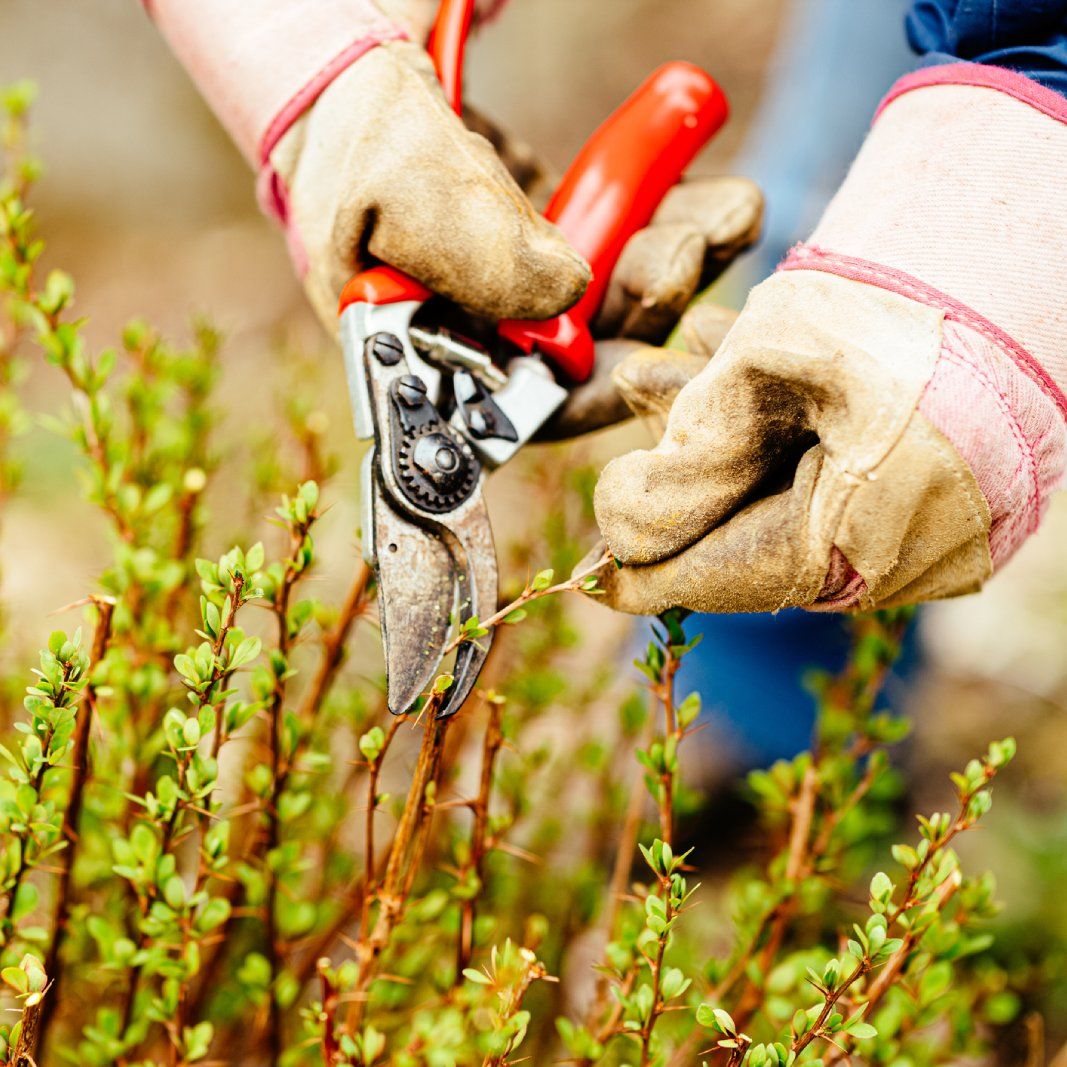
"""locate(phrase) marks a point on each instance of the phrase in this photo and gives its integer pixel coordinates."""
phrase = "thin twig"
(280, 767)
(404, 858)
(370, 870)
(528, 596)
(479, 847)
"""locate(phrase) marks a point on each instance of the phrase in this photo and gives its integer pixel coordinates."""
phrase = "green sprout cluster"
(217, 845)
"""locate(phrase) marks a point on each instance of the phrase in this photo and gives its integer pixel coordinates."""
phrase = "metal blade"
(470, 538)
(431, 537)
(416, 594)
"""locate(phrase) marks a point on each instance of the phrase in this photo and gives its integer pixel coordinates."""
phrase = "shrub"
(216, 844)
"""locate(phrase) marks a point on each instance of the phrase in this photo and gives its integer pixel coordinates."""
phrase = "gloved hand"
(885, 422)
(362, 159)
(380, 167)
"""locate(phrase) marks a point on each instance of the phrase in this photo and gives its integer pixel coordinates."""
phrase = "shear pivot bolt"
(447, 459)
(386, 349)
(411, 390)
(437, 458)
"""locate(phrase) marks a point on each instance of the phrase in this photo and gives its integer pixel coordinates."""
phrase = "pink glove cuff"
(261, 65)
(957, 201)
(960, 185)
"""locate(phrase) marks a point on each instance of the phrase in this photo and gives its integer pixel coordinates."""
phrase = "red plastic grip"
(613, 188)
(382, 285)
(448, 43)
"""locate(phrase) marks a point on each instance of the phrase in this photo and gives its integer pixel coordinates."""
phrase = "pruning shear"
(442, 411)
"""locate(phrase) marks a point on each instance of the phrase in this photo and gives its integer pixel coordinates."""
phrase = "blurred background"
(150, 208)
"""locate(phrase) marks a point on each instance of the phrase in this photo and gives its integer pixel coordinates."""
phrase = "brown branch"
(809, 1035)
(280, 768)
(11, 896)
(29, 1036)
(216, 684)
(888, 975)
(369, 858)
(405, 855)
(330, 1046)
(535, 972)
(624, 857)
(656, 967)
(491, 745)
(355, 604)
(664, 691)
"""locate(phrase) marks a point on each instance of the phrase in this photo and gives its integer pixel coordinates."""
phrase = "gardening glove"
(361, 157)
(886, 421)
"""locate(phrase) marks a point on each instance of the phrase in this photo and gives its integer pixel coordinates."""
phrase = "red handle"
(448, 43)
(609, 193)
(612, 190)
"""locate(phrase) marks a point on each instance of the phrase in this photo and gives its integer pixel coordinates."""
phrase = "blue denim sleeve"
(1029, 36)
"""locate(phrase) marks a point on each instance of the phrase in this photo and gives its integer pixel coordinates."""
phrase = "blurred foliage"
(217, 846)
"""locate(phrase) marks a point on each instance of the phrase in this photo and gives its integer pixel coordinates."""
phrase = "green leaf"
(862, 1031)
(542, 580)
(214, 913)
(371, 743)
(881, 887)
(174, 892)
(16, 978)
(254, 557)
(245, 652)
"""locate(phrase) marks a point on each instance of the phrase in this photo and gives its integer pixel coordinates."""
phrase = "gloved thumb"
(650, 379)
(631, 378)
(382, 169)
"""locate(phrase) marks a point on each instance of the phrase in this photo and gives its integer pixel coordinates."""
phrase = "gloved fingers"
(657, 275)
(650, 379)
(417, 190)
(726, 210)
(531, 174)
(634, 379)
(733, 433)
(767, 555)
(698, 230)
(629, 378)
(703, 328)
(916, 528)
(594, 404)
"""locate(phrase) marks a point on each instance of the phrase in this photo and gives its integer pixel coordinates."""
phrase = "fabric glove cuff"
(261, 65)
(957, 201)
